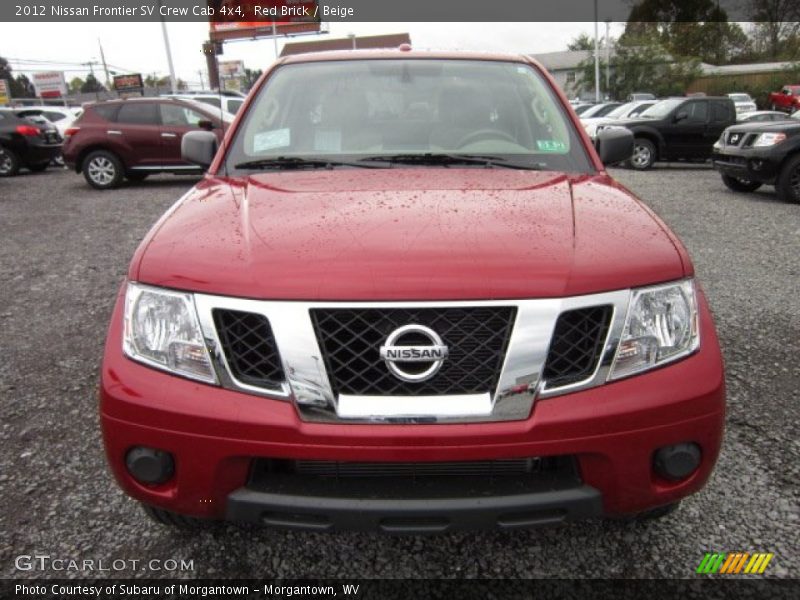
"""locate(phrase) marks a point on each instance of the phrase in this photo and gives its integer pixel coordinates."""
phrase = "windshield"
(662, 108)
(354, 110)
(621, 111)
(740, 98)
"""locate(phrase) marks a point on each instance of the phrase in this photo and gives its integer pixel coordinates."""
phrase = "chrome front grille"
(477, 338)
(577, 344)
(249, 347)
(324, 356)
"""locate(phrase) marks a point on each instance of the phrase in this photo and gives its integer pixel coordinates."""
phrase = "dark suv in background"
(136, 137)
(26, 142)
(678, 129)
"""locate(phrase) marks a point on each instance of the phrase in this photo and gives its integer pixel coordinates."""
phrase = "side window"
(234, 105)
(720, 112)
(697, 111)
(639, 109)
(179, 116)
(139, 113)
(106, 111)
(54, 116)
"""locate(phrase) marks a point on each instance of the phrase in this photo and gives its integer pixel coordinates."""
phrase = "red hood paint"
(408, 234)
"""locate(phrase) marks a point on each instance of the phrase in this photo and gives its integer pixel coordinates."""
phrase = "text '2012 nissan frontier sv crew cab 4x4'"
(407, 297)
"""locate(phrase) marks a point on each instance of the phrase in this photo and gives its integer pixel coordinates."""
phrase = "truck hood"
(407, 234)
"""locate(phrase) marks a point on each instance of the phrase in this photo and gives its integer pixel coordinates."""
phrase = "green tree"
(5, 69)
(643, 65)
(695, 28)
(92, 85)
(581, 42)
(776, 32)
(250, 77)
(75, 85)
(21, 87)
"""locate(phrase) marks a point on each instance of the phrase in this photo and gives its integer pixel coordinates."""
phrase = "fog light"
(678, 461)
(148, 465)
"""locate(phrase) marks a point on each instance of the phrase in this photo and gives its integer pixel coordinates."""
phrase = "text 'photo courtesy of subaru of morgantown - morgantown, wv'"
(253, 361)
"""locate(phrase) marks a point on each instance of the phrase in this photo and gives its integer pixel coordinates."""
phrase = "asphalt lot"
(65, 249)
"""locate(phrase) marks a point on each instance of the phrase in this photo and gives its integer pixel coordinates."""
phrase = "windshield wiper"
(429, 158)
(297, 162)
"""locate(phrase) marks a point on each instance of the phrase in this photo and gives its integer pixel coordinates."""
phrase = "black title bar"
(267, 11)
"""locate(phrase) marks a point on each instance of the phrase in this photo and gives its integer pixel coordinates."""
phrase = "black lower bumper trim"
(413, 515)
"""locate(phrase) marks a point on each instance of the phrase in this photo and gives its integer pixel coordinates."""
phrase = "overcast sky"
(138, 47)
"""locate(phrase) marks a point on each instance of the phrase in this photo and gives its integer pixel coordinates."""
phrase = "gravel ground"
(65, 249)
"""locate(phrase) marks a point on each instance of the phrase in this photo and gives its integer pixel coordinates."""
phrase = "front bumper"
(754, 164)
(216, 435)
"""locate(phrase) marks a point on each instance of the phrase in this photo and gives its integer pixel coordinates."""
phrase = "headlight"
(768, 139)
(661, 327)
(162, 330)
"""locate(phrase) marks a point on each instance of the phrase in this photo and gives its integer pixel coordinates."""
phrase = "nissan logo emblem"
(402, 358)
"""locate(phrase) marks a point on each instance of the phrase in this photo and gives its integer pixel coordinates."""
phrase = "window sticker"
(328, 140)
(269, 140)
(551, 146)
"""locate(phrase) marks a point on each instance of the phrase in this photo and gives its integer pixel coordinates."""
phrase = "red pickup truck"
(788, 99)
(408, 297)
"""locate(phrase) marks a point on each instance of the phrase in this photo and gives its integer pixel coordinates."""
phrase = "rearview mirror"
(614, 145)
(199, 147)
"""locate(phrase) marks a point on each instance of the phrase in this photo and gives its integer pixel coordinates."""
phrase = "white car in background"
(225, 101)
(60, 116)
(625, 111)
(742, 102)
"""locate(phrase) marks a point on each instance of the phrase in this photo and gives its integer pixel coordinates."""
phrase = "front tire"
(740, 185)
(644, 154)
(788, 184)
(9, 163)
(102, 170)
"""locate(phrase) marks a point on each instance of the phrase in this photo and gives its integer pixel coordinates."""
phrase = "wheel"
(102, 170)
(38, 167)
(136, 176)
(788, 185)
(9, 163)
(176, 521)
(740, 185)
(644, 154)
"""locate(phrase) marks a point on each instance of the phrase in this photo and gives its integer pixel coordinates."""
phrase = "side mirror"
(199, 147)
(205, 124)
(681, 116)
(614, 145)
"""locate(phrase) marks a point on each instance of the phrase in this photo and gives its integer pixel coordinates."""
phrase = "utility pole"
(105, 66)
(596, 58)
(172, 84)
(202, 83)
(608, 57)
(275, 38)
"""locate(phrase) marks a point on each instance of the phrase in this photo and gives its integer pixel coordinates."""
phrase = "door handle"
(169, 135)
(114, 132)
